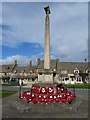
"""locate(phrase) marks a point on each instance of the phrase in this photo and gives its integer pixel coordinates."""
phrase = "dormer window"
(25, 74)
(7, 67)
(88, 71)
(30, 71)
(76, 71)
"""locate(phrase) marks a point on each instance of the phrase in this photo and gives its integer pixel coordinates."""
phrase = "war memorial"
(46, 75)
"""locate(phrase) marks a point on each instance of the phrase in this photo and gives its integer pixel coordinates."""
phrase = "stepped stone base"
(45, 78)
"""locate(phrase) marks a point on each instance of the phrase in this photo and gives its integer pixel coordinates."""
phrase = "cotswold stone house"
(63, 72)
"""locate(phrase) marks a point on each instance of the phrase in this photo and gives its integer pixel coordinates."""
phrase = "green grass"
(6, 93)
(10, 85)
(83, 86)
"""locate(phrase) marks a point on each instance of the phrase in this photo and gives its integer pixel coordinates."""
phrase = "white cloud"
(20, 59)
(62, 52)
(24, 27)
(71, 30)
(69, 26)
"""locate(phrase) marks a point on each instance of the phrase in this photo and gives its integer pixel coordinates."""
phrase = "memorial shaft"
(47, 43)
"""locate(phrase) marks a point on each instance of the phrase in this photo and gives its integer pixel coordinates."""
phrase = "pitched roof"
(53, 64)
(71, 66)
(7, 68)
(25, 69)
(23, 76)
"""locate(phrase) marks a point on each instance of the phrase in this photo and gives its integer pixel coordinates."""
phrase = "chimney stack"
(30, 63)
(15, 62)
(57, 63)
(38, 61)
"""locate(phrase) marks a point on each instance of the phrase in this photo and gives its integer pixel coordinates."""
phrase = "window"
(88, 71)
(72, 76)
(76, 71)
(66, 79)
(5, 73)
(40, 73)
(25, 74)
(87, 78)
(78, 79)
(30, 71)
(30, 80)
(62, 78)
(7, 67)
(63, 71)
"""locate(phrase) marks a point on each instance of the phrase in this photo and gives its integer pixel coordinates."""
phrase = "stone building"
(74, 72)
(13, 72)
(63, 72)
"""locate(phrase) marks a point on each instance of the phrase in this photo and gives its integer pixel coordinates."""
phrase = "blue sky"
(23, 27)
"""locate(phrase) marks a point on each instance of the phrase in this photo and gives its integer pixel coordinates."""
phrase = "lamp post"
(20, 83)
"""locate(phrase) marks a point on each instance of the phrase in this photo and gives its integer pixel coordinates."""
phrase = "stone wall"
(45, 78)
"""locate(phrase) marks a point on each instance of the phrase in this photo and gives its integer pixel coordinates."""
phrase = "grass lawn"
(6, 93)
(83, 86)
(10, 85)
